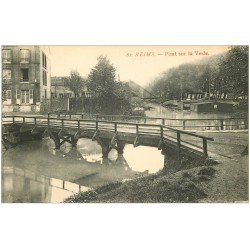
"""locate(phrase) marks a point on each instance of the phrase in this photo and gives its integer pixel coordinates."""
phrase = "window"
(25, 75)
(25, 96)
(18, 96)
(8, 97)
(44, 59)
(24, 56)
(8, 94)
(31, 93)
(6, 53)
(44, 78)
(6, 74)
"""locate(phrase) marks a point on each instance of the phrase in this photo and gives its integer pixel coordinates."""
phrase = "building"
(63, 99)
(212, 106)
(59, 90)
(26, 78)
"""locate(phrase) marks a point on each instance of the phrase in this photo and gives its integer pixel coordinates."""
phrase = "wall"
(59, 104)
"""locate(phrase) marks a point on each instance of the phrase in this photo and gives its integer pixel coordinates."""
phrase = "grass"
(179, 187)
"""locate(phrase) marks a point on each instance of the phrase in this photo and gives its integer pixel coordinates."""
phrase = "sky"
(140, 64)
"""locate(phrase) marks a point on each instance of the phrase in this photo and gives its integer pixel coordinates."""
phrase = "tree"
(234, 71)
(223, 76)
(75, 82)
(109, 96)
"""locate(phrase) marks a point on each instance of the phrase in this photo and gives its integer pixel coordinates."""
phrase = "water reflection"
(49, 173)
(22, 185)
(138, 159)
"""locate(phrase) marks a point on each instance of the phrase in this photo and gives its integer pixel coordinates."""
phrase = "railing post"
(205, 146)
(35, 120)
(48, 114)
(163, 121)
(78, 124)
(115, 127)
(137, 129)
(178, 139)
(62, 123)
(179, 147)
(69, 116)
(48, 121)
(96, 124)
(13, 119)
(23, 119)
(161, 131)
(145, 120)
(82, 116)
(221, 124)
(237, 124)
(184, 124)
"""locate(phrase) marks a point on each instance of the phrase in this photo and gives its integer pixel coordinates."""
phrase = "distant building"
(212, 106)
(59, 90)
(26, 78)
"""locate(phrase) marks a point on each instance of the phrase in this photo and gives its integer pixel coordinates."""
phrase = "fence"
(184, 124)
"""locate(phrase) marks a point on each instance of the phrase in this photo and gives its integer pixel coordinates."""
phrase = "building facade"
(26, 78)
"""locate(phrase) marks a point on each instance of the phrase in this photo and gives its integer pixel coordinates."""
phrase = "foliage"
(109, 95)
(223, 76)
(75, 82)
(233, 72)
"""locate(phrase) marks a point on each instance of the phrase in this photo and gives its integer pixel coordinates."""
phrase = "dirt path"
(230, 183)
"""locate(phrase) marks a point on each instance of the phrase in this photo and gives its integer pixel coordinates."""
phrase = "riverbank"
(225, 182)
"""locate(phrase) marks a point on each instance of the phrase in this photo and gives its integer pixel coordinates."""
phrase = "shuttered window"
(24, 56)
(18, 96)
(6, 55)
(31, 94)
(8, 94)
(6, 74)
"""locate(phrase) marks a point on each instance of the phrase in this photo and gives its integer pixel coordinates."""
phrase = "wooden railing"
(233, 123)
(162, 132)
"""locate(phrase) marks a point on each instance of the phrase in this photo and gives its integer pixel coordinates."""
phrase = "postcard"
(124, 124)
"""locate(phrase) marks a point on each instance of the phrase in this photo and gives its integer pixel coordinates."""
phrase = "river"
(36, 172)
